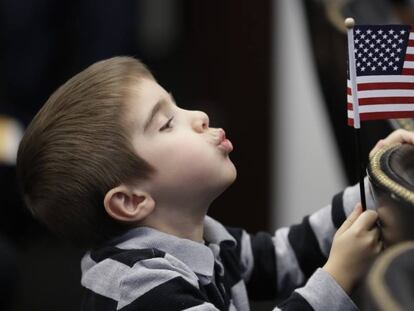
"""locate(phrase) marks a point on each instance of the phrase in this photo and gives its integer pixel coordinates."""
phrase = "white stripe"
(203, 307)
(411, 36)
(323, 227)
(383, 78)
(382, 108)
(289, 273)
(246, 256)
(408, 64)
(386, 108)
(105, 278)
(410, 50)
(385, 93)
(239, 296)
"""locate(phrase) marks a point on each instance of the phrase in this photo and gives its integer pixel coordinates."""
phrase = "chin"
(229, 178)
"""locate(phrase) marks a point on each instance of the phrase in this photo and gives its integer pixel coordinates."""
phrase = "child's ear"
(127, 204)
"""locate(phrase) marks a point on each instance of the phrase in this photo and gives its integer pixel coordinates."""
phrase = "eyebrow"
(161, 104)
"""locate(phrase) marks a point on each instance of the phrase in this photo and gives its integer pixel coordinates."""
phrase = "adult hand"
(398, 136)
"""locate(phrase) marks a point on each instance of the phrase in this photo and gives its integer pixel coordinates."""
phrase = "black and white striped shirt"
(150, 270)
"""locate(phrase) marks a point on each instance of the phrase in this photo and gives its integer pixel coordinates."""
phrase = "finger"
(400, 136)
(366, 221)
(373, 237)
(351, 218)
(380, 247)
(377, 147)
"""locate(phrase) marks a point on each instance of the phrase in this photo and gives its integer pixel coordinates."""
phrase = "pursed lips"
(222, 141)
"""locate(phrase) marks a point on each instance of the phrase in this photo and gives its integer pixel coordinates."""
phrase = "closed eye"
(167, 125)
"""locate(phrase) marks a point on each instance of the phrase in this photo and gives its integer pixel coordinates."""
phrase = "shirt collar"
(195, 255)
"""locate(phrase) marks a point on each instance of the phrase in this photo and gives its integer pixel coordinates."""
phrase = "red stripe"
(408, 71)
(385, 86)
(409, 57)
(385, 115)
(350, 122)
(410, 43)
(386, 100)
(349, 91)
(349, 106)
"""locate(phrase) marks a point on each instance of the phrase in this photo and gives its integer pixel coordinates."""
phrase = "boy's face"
(191, 159)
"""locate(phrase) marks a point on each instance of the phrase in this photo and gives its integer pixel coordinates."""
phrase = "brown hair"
(76, 149)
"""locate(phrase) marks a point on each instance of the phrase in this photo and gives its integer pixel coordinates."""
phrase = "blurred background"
(272, 73)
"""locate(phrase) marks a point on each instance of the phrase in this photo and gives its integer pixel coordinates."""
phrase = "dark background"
(215, 56)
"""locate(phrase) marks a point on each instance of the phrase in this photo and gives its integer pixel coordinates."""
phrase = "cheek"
(187, 162)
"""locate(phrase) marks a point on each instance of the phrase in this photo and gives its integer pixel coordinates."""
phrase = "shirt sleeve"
(274, 266)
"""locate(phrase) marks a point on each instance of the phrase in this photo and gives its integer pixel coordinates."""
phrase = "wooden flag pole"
(349, 24)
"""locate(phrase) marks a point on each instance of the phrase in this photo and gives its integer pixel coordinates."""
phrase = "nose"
(200, 121)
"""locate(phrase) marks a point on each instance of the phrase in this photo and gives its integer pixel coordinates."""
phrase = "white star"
(369, 64)
(358, 64)
(379, 63)
(390, 64)
(384, 68)
(389, 40)
(359, 54)
(361, 45)
(392, 54)
(383, 45)
(398, 50)
(366, 41)
(357, 31)
(381, 54)
(391, 31)
(385, 36)
(375, 59)
(356, 40)
(395, 68)
(362, 36)
(370, 54)
(362, 68)
(394, 45)
(395, 36)
(387, 50)
(386, 59)
(376, 50)
(378, 41)
(369, 31)
(397, 59)
(402, 32)
(364, 59)
(365, 50)
(380, 31)
(400, 41)
(373, 68)
(371, 45)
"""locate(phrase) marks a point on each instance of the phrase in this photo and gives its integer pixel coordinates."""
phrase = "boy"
(113, 164)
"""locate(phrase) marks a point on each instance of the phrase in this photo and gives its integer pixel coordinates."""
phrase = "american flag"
(384, 73)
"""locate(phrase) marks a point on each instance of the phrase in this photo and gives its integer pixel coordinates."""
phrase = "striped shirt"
(146, 269)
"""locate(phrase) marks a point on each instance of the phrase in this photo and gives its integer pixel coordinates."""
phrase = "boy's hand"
(398, 136)
(355, 244)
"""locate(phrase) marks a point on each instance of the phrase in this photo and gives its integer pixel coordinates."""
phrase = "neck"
(181, 222)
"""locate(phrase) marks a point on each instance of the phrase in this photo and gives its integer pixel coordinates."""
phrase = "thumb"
(351, 218)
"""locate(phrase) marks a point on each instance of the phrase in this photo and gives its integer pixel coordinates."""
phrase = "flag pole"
(349, 24)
